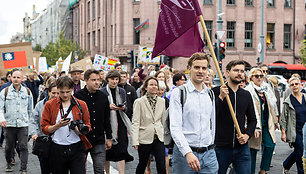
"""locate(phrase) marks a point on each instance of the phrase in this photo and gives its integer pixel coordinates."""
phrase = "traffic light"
(130, 56)
(222, 50)
(220, 64)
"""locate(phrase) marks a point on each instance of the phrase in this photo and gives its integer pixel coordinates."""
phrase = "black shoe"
(9, 168)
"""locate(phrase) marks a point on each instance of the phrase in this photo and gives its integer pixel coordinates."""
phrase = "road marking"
(112, 169)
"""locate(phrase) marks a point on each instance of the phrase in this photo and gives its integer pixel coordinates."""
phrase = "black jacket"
(244, 110)
(33, 86)
(99, 111)
(131, 96)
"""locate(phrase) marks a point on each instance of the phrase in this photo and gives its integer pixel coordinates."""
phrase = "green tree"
(37, 48)
(303, 51)
(62, 48)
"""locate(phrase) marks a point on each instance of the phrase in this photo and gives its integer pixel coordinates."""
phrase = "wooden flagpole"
(211, 49)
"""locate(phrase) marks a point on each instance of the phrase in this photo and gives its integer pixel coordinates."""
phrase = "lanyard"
(67, 112)
(73, 103)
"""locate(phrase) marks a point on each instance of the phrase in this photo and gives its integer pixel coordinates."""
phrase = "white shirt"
(64, 135)
(194, 125)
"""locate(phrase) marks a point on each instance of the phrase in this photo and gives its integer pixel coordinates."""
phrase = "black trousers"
(157, 148)
(64, 158)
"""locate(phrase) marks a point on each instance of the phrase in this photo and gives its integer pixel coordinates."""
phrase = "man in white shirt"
(192, 122)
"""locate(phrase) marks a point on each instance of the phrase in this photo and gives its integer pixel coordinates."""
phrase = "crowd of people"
(178, 118)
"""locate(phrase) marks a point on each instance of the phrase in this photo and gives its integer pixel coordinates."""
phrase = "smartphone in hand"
(65, 119)
(120, 105)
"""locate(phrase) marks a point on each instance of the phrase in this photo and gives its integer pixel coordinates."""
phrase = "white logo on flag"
(8, 56)
(183, 4)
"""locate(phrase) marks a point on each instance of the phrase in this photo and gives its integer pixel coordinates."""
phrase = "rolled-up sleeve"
(176, 122)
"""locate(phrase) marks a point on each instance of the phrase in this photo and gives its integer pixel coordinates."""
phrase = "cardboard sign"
(85, 64)
(145, 54)
(15, 55)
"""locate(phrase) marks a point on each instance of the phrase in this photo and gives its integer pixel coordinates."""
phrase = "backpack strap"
(211, 94)
(28, 90)
(183, 95)
(5, 93)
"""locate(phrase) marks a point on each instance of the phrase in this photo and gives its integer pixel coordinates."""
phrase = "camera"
(81, 126)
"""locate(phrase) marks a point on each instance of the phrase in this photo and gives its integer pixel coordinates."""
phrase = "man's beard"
(235, 81)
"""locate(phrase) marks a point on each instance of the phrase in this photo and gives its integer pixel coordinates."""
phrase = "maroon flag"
(177, 31)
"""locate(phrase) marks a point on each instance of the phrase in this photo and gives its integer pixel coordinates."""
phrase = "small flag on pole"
(177, 32)
(145, 24)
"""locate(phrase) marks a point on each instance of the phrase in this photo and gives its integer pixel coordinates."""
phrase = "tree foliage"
(303, 51)
(62, 48)
(37, 48)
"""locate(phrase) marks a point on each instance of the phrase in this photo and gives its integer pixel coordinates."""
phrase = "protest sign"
(104, 63)
(145, 54)
(36, 56)
(85, 64)
(15, 55)
(43, 67)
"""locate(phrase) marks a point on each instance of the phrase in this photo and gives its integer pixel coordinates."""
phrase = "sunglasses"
(258, 76)
(264, 71)
(294, 84)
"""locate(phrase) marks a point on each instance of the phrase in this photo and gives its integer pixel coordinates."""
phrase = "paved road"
(282, 151)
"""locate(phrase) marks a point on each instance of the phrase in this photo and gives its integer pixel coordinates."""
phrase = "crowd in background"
(148, 104)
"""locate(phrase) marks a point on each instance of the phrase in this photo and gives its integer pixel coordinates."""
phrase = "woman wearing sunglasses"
(291, 122)
(264, 136)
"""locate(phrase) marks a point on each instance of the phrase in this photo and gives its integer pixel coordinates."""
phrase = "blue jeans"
(240, 157)
(208, 162)
(296, 155)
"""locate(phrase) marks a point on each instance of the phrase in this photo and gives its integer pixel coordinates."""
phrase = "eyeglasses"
(294, 84)
(258, 76)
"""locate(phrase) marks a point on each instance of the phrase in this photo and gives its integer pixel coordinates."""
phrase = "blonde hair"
(252, 72)
(274, 80)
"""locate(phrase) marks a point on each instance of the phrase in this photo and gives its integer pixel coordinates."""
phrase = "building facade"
(107, 27)
(50, 22)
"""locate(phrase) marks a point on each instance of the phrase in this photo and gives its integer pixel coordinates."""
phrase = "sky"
(12, 14)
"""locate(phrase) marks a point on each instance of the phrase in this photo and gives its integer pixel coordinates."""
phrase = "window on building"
(248, 2)
(287, 36)
(248, 41)
(209, 30)
(270, 3)
(230, 2)
(305, 28)
(207, 1)
(88, 41)
(94, 38)
(270, 36)
(93, 9)
(230, 34)
(88, 13)
(136, 22)
(99, 7)
(287, 3)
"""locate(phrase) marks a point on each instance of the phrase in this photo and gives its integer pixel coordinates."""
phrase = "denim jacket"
(34, 127)
(18, 105)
